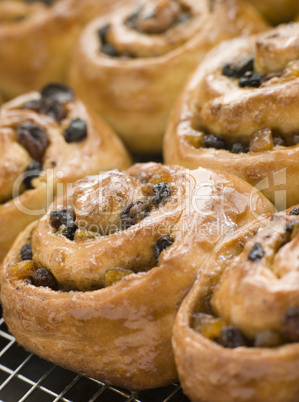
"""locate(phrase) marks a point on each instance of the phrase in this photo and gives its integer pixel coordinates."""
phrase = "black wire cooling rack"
(26, 377)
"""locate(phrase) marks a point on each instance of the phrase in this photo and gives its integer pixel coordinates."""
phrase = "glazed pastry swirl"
(36, 37)
(247, 300)
(238, 113)
(268, 267)
(46, 138)
(104, 206)
(106, 268)
(156, 28)
(134, 53)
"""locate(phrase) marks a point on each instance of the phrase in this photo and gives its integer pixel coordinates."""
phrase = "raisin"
(34, 139)
(49, 107)
(295, 139)
(290, 226)
(251, 79)
(229, 70)
(238, 148)
(106, 48)
(244, 71)
(62, 217)
(76, 131)
(213, 141)
(26, 252)
(58, 92)
(33, 171)
(102, 32)
(161, 191)
(295, 211)
(246, 65)
(290, 326)
(53, 109)
(43, 277)
(162, 244)
(34, 105)
(256, 253)
(109, 50)
(131, 21)
(53, 96)
(231, 337)
(238, 70)
(133, 213)
(69, 232)
(277, 140)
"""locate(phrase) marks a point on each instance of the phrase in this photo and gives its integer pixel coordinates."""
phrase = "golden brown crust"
(36, 40)
(269, 288)
(277, 11)
(213, 103)
(121, 333)
(136, 92)
(62, 162)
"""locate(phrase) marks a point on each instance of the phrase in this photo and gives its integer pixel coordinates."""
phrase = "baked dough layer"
(256, 294)
(224, 106)
(120, 331)
(131, 65)
(62, 162)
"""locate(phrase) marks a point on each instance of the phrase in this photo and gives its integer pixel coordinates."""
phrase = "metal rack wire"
(26, 377)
